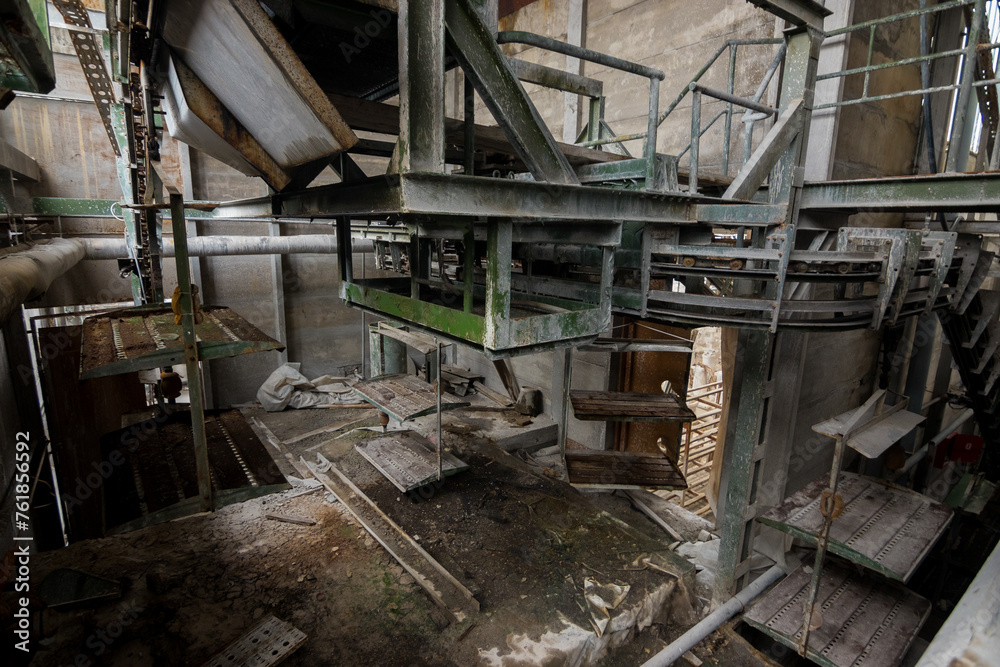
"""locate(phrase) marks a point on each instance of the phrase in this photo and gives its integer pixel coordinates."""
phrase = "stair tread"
(884, 527)
(865, 621)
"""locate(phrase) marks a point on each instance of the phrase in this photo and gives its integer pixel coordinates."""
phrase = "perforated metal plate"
(91, 60)
(866, 621)
(269, 643)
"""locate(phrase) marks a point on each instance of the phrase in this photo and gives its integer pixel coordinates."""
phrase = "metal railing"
(754, 109)
(654, 76)
(699, 447)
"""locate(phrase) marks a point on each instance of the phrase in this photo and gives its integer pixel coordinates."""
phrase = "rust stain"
(83, 156)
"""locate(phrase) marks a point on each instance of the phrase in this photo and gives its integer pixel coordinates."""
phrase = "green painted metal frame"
(175, 354)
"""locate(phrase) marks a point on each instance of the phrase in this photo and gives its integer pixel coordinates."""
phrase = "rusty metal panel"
(153, 473)
(147, 337)
(884, 527)
(242, 58)
(404, 396)
(408, 460)
(865, 622)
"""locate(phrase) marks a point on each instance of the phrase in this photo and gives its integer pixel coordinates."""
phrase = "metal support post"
(651, 126)
(469, 268)
(563, 382)
(439, 443)
(737, 518)
(421, 85)
(956, 161)
(498, 256)
(470, 127)
(191, 353)
(695, 140)
(277, 276)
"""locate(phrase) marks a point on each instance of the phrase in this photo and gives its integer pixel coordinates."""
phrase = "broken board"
(619, 406)
(404, 397)
(866, 622)
(622, 470)
(408, 460)
(883, 527)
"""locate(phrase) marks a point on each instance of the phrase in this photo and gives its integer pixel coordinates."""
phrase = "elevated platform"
(622, 470)
(886, 528)
(404, 397)
(864, 622)
(146, 337)
(618, 406)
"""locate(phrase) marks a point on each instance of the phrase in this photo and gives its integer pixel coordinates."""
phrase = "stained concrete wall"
(674, 36)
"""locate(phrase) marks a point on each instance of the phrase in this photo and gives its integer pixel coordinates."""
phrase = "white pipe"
(211, 246)
(916, 456)
(27, 274)
(710, 623)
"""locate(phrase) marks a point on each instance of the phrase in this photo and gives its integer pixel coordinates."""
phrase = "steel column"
(421, 85)
(498, 255)
(475, 47)
(737, 520)
(191, 354)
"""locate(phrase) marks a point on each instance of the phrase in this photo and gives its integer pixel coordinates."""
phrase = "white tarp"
(286, 387)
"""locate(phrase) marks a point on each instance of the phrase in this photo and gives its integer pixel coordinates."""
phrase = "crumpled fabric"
(287, 387)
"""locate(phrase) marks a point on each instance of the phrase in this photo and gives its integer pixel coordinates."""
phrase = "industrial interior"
(500, 332)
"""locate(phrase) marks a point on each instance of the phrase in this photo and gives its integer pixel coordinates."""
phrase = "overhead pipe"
(213, 246)
(711, 623)
(27, 274)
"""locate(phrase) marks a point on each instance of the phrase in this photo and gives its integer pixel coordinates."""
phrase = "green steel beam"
(474, 46)
(932, 193)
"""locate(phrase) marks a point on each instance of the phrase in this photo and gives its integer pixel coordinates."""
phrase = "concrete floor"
(521, 540)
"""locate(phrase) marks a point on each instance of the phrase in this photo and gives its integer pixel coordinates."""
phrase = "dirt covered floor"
(522, 542)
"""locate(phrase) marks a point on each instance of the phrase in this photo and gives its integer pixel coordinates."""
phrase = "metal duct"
(212, 246)
(27, 274)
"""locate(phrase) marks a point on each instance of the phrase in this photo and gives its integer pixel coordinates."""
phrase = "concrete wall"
(674, 36)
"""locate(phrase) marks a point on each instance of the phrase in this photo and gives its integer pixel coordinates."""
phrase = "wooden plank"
(443, 588)
(404, 396)
(884, 527)
(618, 406)
(408, 460)
(23, 167)
(420, 342)
(865, 622)
(611, 469)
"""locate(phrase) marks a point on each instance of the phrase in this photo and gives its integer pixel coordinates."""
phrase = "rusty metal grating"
(145, 337)
(154, 466)
(865, 621)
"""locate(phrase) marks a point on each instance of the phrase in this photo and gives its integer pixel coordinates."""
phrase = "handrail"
(549, 44)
